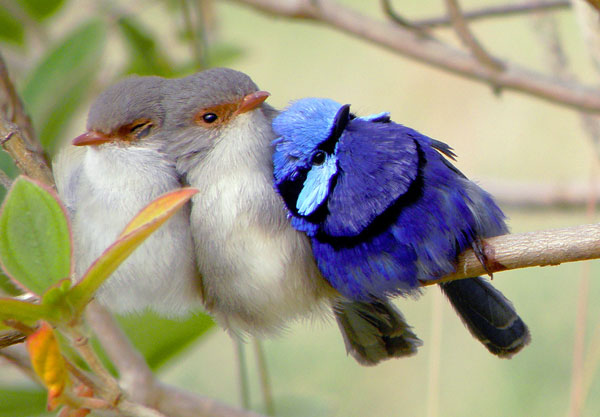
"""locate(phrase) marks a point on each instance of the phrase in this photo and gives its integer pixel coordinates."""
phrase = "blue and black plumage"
(385, 209)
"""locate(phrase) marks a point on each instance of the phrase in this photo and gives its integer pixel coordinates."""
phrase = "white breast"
(111, 186)
(258, 272)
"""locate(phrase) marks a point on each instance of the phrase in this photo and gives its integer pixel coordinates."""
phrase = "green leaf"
(41, 9)
(7, 287)
(35, 242)
(59, 83)
(22, 402)
(11, 29)
(145, 58)
(139, 229)
(159, 339)
(7, 165)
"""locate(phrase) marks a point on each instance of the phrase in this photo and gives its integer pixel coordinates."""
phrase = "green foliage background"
(61, 54)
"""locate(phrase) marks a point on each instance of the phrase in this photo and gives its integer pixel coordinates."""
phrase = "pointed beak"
(252, 101)
(91, 138)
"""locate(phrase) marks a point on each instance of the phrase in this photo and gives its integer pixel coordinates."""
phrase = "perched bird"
(385, 209)
(258, 272)
(113, 170)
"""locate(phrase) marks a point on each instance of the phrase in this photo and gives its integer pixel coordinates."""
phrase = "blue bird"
(385, 209)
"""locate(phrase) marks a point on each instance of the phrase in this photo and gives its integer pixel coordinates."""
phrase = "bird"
(258, 272)
(105, 177)
(385, 210)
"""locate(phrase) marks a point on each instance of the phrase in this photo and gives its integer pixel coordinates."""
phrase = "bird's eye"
(141, 130)
(209, 117)
(318, 158)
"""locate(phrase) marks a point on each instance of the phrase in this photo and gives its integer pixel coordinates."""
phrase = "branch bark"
(524, 250)
(495, 12)
(16, 133)
(433, 52)
(468, 38)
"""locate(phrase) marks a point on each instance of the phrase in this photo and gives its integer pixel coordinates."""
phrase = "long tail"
(488, 315)
(374, 331)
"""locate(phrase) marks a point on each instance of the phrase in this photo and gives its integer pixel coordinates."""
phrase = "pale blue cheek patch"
(379, 117)
(316, 186)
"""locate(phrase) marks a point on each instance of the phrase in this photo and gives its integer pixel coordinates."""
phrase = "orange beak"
(91, 138)
(252, 101)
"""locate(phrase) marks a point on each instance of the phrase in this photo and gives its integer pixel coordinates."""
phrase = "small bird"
(113, 170)
(385, 210)
(258, 272)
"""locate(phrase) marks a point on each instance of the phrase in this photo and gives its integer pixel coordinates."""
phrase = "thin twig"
(495, 12)
(263, 373)
(5, 180)
(18, 356)
(435, 354)
(11, 337)
(468, 39)
(136, 378)
(524, 250)
(12, 109)
(244, 386)
(432, 52)
(392, 14)
(196, 38)
(109, 387)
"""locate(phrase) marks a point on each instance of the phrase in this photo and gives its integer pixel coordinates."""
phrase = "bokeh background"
(505, 137)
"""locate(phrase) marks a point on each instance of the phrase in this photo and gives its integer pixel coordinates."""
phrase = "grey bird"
(257, 271)
(106, 177)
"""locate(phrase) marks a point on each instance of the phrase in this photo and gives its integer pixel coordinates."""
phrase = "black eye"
(318, 158)
(209, 117)
(142, 130)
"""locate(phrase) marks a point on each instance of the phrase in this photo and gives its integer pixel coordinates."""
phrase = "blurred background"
(61, 54)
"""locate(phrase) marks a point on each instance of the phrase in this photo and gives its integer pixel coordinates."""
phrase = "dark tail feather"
(488, 315)
(374, 331)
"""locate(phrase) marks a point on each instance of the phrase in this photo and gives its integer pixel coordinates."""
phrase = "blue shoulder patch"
(377, 162)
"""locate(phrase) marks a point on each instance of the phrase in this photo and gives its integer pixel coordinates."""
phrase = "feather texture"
(397, 212)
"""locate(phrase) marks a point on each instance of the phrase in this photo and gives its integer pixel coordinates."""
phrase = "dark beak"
(92, 138)
(252, 101)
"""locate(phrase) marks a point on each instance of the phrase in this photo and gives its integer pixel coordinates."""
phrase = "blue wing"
(377, 163)
(416, 237)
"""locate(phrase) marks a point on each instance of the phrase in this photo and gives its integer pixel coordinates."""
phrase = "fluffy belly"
(256, 274)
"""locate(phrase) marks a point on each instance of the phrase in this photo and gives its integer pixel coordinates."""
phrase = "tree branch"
(495, 11)
(16, 132)
(433, 52)
(140, 383)
(524, 250)
(468, 39)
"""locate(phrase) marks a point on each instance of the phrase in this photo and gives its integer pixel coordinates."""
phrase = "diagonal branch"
(468, 39)
(433, 52)
(16, 132)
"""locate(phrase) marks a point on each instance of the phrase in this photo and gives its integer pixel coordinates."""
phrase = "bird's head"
(209, 106)
(337, 172)
(305, 160)
(129, 113)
